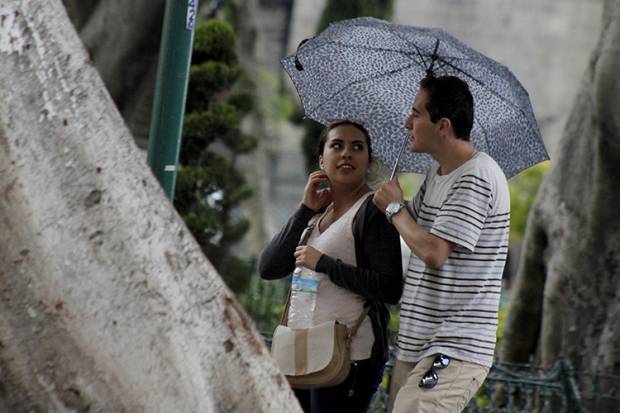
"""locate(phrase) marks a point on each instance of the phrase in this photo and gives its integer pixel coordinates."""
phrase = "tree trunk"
(123, 39)
(566, 300)
(106, 302)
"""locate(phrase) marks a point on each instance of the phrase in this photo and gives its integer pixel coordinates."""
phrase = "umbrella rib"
(416, 48)
(417, 51)
(442, 64)
(381, 49)
(391, 72)
(404, 52)
(458, 69)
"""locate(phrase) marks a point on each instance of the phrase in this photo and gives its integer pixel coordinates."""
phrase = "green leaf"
(214, 40)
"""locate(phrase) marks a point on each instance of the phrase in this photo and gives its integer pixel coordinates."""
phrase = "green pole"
(171, 90)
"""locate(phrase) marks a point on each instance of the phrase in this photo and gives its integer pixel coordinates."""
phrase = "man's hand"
(306, 256)
(314, 198)
(389, 192)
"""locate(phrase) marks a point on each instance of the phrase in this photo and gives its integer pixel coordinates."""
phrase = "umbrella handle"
(400, 152)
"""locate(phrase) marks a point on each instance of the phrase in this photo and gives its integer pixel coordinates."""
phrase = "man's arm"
(431, 249)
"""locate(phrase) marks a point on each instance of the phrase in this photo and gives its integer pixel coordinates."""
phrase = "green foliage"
(264, 301)
(214, 40)
(336, 10)
(241, 143)
(235, 265)
(243, 100)
(207, 79)
(203, 128)
(394, 323)
(276, 106)
(523, 190)
(209, 187)
(501, 317)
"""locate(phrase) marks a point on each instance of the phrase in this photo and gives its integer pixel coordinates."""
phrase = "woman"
(356, 254)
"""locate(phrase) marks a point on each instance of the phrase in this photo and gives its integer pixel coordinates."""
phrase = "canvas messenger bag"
(314, 357)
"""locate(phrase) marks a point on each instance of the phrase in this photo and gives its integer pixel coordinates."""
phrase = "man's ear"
(445, 127)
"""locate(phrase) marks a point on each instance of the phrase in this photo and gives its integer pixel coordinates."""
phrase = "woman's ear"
(321, 162)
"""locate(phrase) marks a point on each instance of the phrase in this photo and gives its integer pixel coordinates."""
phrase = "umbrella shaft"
(400, 152)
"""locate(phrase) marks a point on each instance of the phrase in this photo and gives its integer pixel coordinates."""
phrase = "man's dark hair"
(335, 124)
(449, 97)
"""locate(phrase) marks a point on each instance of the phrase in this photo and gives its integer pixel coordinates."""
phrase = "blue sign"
(191, 14)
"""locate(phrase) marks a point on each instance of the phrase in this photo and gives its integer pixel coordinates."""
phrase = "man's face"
(424, 133)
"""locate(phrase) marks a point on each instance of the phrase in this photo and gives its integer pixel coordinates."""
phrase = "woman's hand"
(314, 198)
(306, 256)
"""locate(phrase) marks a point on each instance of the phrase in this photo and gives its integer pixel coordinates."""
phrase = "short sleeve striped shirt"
(453, 309)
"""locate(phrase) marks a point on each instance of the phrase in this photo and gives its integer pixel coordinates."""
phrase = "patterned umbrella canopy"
(368, 70)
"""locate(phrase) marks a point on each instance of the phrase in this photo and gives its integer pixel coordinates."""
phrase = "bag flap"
(305, 351)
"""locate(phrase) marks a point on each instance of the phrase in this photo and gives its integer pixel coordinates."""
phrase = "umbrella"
(368, 70)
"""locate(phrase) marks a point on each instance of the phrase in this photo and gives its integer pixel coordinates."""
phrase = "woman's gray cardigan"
(378, 276)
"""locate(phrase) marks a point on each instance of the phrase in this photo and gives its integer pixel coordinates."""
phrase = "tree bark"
(566, 300)
(106, 301)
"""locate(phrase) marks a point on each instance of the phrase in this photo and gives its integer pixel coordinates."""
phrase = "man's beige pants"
(457, 384)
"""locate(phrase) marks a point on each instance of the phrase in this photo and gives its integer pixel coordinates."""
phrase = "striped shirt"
(453, 309)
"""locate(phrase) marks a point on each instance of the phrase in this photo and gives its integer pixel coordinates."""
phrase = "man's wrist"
(394, 208)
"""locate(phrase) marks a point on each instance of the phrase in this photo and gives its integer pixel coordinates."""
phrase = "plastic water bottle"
(304, 287)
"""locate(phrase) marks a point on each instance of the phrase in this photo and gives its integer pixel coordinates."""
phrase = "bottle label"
(306, 285)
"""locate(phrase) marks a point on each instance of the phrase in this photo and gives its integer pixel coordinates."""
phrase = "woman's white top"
(334, 302)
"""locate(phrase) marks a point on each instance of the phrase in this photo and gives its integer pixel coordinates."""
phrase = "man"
(457, 230)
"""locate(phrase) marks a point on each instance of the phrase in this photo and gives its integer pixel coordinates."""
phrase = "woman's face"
(345, 156)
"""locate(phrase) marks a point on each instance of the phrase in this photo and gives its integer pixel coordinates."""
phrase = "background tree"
(210, 188)
(566, 300)
(106, 302)
(122, 39)
(336, 10)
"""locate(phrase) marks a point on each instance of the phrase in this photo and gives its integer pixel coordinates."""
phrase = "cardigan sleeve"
(277, 259)
(381, 277)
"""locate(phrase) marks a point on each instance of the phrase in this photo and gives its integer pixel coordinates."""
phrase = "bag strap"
(358, 323)
(284, 318)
